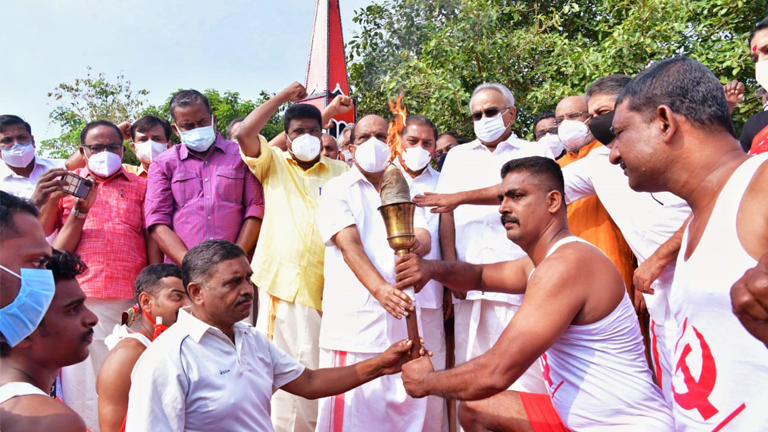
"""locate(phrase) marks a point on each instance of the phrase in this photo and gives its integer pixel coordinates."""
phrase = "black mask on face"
(601, 128)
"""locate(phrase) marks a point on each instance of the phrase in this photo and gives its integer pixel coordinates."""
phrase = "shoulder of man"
(40, 413)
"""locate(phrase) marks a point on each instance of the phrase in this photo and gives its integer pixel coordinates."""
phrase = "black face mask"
(601, 128)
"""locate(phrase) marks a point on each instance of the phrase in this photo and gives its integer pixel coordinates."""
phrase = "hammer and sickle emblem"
(697, 396)
(545, 369)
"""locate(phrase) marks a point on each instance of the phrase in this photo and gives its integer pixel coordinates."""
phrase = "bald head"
(571, 104)
(369, 126)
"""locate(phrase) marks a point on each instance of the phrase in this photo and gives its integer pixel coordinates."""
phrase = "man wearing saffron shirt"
(160, 294)
(201, 189)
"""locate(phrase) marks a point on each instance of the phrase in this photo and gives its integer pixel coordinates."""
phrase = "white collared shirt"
(193, 378)
(23, 187)
(480, 236)
(646, 220)
(353, 320)
(431, 296)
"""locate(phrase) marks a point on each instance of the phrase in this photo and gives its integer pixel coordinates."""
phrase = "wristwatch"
(79, 215)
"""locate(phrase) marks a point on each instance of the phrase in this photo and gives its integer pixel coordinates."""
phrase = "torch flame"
(395, 127)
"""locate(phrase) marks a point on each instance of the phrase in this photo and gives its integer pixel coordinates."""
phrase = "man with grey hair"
(214, 372)
(474, 234)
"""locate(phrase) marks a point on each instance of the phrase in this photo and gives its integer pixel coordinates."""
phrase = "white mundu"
(597, 375)
(721, 371)
(482, 239)
(646, 221)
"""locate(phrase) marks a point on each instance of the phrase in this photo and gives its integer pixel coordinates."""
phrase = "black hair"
(546, 169)
(761, 25)
(147, 122)
(544, 115)
(610, 85)
(686, 86)
(203, 258)
(459, 139)
(186, 98)
(10, 205)
(65, 265)
(421, 120)
(232, 125)
(10, 120)
(301, 111)
(96, 123)
(149, 278)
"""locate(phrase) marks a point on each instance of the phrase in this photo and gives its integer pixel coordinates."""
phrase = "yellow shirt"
(288, 262)
(138, 170)
(588, 219)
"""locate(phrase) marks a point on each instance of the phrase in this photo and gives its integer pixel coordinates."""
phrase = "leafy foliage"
(438, 52)
(96, 98)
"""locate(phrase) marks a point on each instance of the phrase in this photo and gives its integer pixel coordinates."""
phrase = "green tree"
(437, 52)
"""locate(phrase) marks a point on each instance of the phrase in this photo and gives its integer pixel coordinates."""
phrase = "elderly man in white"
(213, 372)
(474, 234)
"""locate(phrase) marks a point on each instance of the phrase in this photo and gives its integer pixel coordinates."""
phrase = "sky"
(158, 45)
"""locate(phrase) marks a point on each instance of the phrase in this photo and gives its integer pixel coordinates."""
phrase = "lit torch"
(397, 211)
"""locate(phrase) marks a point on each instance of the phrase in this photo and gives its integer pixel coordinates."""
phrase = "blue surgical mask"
(20, 318)
(200, 139)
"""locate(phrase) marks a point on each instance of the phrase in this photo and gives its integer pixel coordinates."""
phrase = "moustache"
(243, 299)
(88, 334)
(505, 218)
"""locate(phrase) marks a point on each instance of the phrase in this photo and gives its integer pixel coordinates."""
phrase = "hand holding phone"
(77, 186)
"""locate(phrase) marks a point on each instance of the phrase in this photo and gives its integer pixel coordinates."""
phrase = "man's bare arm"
(313, 384)
(647, 272)
(444, 203)
(392, 299)
(248, 135)
(510, 277)
(249, 235)
(114, 383)
(545, 314)
(169, 242)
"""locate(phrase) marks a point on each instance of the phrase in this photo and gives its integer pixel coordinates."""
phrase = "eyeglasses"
(575, 115)
(490, 112)
(98, 148)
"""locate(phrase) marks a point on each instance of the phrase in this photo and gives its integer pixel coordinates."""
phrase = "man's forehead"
(599, 101)
(102, 134)
(571, 104)
(303, 123)
(31, 238)
(371, 124)
(488, 97)
(191, 112)
(13, 130)
(544, 124)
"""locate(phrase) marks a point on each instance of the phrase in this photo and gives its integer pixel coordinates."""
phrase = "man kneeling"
(576, 318)
(212, 372)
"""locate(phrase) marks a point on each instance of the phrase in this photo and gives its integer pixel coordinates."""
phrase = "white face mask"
(416, 158)
(573, 134)
(105, 163)
(305, 148)
(373, 155)
(347, 155)
(147, 151)
(19, 156)
(200, 139)
(489, 129)
(761, 73)
(553, 142)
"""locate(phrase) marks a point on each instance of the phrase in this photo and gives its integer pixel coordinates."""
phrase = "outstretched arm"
(444, 203)
(313, 384)
(545, 314)
(510, 277)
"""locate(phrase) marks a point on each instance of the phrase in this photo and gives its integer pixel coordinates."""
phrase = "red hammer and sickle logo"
(545, 370)
(698, 391)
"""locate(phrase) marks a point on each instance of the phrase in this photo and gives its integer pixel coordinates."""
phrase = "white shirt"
(193, 378)
(646, 220)
(23, 187)
(480, 236)
(353, 320)
(431, 296)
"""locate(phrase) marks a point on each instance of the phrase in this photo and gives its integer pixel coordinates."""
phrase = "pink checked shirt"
(112, 243)
(201, 199)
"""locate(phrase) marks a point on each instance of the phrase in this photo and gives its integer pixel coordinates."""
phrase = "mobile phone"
(77, 185)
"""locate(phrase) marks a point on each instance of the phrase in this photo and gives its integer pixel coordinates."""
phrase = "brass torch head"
(398, 218)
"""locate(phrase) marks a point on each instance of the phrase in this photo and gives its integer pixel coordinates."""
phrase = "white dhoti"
(78, 381)
(433, 333)
(295, 329)
(377, 406)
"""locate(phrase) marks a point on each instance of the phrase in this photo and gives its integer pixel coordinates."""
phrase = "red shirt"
(112, 243)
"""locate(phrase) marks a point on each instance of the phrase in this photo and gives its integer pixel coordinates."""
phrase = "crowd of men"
(611, 274)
